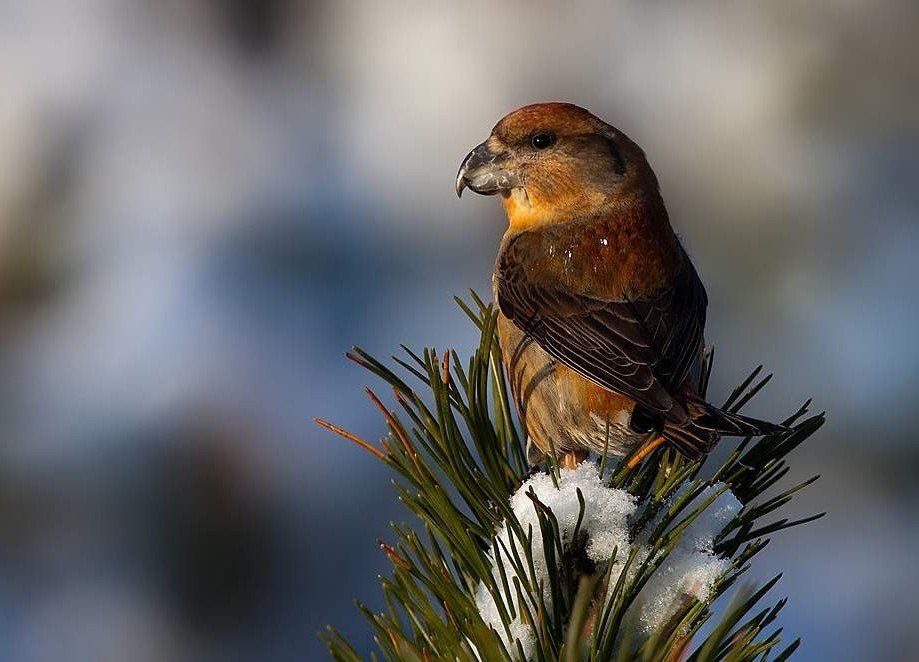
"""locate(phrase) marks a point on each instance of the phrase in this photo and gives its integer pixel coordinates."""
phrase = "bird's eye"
(542, 140)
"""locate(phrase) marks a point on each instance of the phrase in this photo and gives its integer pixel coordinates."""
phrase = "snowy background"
(204, 202)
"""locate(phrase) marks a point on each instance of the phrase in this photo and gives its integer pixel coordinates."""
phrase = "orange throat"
(526, 210)
(525, 213)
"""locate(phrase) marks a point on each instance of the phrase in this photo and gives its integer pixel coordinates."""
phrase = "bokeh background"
(203, 203)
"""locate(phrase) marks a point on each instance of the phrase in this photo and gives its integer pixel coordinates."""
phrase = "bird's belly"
(557, 406)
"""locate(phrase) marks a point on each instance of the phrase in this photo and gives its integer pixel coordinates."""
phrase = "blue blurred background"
(203, 203)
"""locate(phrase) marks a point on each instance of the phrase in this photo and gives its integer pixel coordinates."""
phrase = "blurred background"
(203, 203)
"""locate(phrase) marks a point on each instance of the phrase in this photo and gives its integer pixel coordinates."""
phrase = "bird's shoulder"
(610, 258)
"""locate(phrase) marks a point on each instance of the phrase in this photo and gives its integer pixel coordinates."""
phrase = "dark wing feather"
(642, 348)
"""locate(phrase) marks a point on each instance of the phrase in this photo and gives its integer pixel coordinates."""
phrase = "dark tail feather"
(690, 441)
(697, 436)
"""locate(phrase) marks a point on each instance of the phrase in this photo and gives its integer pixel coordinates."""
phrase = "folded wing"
(641, 347)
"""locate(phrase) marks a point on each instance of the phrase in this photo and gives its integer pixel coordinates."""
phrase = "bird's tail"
(707, 424)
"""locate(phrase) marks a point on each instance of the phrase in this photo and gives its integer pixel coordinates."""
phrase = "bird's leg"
(645, 451)
(572, 459)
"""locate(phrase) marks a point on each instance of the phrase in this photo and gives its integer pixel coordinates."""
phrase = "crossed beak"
(486, 171)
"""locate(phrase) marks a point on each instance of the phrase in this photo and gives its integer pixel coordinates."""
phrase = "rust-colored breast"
(630, 255)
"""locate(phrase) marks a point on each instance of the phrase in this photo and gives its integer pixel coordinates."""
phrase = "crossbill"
(601, 312)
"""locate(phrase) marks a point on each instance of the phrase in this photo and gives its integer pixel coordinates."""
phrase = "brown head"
(553, 162)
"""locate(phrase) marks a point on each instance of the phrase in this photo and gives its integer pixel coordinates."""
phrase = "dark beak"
(486, 172)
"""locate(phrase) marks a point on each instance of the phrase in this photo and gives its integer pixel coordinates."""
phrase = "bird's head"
(552, 162)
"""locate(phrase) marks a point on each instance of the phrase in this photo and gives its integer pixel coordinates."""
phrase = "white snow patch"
(690, 570)
(605, 522)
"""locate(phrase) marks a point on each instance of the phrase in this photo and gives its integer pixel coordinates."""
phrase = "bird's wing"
(641, 347)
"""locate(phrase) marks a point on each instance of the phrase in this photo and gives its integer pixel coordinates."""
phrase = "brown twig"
(395, 425)
(645, 451)
(445, 365)
(367, 446)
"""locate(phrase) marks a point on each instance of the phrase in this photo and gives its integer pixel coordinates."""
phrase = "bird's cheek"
(544, 189)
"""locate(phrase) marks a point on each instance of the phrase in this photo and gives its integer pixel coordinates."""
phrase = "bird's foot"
(572, 459)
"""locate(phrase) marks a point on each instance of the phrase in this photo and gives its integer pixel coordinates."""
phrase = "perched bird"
(601, 310)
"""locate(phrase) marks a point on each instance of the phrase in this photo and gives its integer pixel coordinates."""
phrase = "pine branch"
(511, 566)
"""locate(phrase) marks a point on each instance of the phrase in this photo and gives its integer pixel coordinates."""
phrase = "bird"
(601, 313)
